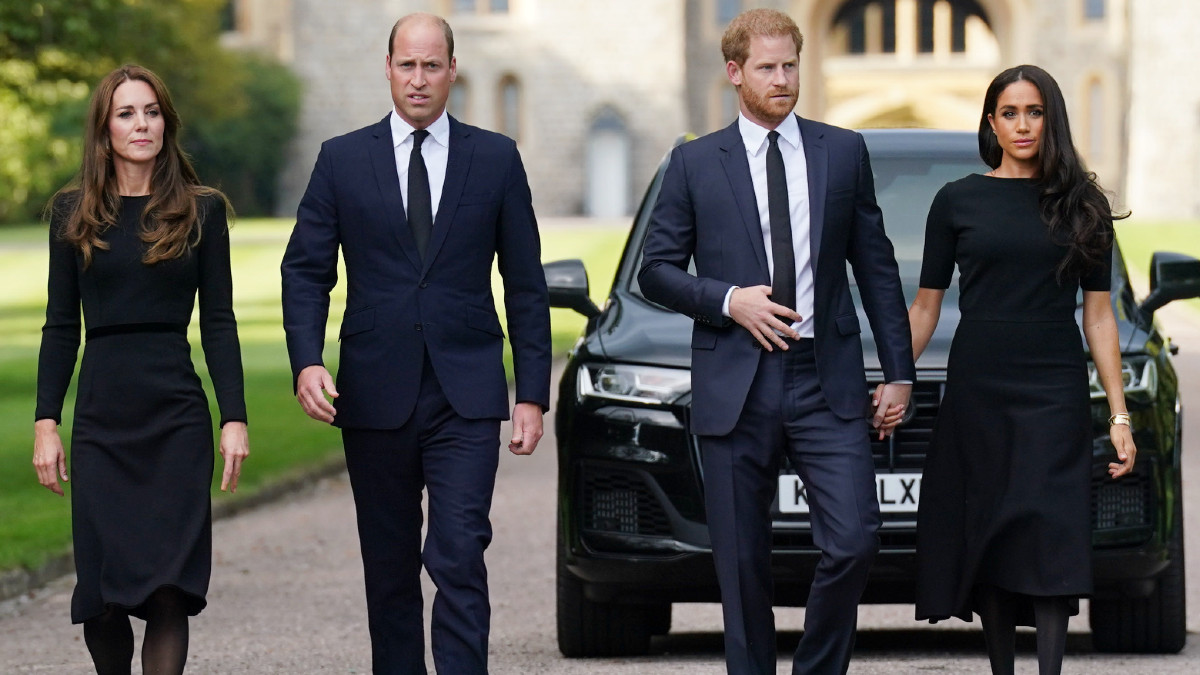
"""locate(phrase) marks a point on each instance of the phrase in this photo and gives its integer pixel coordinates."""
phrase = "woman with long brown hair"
(1004, 529)
(133, 244)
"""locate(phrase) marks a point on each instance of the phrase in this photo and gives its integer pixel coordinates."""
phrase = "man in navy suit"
(420, 206)
(771, 209)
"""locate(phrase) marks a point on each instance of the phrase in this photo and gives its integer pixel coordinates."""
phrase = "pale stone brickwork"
(573, 59)
(1164, 119)
(653, 69)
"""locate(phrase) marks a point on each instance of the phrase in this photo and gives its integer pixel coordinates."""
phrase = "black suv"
(632, 537)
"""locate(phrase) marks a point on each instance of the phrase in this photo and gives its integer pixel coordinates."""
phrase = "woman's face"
(135, 124)
(1017, 122)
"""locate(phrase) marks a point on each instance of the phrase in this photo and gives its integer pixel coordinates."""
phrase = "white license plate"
(897, 493)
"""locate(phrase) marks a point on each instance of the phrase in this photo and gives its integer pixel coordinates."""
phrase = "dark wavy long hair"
(1073, 204)
(170, 221)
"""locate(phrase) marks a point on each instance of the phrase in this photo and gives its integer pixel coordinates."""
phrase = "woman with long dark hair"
(133, 244)
(1004, 527)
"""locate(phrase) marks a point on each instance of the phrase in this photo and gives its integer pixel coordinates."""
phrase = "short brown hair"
(432, 18)
(735, 43)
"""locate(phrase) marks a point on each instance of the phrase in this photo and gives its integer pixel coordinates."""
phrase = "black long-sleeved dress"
(1005, 495)
(142, 441)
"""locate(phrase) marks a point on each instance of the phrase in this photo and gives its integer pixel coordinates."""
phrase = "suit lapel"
(737, 169)
(383, 161)
(816, 157)
(458, 164)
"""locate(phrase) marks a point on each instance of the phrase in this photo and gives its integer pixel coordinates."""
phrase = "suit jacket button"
(417, 326)
(424, 284)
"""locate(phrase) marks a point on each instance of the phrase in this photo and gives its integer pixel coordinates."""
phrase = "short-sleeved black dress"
(1005, 495)
(142, 442)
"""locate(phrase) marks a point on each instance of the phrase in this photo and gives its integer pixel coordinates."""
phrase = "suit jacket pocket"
(839, 194)
(358, 321)
(485, 197)
(847, 324)
(483, 320)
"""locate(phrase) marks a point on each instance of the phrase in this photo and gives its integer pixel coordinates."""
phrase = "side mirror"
(568, 284)
(1173, 276)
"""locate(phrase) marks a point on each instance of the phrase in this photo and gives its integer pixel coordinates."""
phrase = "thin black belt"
(127, 328)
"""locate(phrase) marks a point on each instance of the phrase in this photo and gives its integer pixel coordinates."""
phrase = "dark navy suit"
(750, 408)
(421, 378)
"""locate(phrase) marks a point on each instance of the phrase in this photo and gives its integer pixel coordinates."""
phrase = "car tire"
(1156, 624)
(590, 628)
(659, 618)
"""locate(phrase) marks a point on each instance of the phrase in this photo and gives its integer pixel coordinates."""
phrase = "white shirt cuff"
(725, 305)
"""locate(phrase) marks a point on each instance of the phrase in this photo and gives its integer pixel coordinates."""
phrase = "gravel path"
(287, 595)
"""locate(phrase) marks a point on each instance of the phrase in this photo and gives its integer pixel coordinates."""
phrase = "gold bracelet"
(1119, 418)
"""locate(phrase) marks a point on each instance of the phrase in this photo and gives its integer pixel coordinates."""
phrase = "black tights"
(109, 637)
(998, 613)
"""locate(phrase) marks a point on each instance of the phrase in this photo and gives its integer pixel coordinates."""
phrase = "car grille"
(620, 502)
(1122, 506)
(905, 449)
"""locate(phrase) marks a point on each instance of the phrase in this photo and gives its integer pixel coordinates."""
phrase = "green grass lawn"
(35, 523)
(1140, 239)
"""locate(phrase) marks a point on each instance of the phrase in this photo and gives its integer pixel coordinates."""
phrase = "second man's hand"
(526, 428)
(752, 309)
(312, 385)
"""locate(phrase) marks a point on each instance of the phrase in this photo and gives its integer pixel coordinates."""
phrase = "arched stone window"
(926, 26)
(479, 6)
(726, 11)
(459, 100)
(609, 166)
(1095, 121)
(508, 107)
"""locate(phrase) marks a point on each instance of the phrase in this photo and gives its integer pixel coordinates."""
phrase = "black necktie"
(420, 206)
(783, 257)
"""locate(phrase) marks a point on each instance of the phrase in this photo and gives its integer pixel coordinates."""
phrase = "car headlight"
(641, 384)
(1138, 373)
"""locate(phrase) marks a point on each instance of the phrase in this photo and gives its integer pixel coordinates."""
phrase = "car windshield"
(904, 188)
(905, 184)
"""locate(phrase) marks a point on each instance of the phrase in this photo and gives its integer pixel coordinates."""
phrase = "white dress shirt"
(754, 137)
(435, 150)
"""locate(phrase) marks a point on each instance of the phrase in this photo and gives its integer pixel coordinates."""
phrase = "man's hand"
(312, 386)
(752, 309)
(889, 403)
(526, 428)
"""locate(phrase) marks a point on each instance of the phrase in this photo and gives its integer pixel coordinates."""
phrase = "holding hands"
(889, 403)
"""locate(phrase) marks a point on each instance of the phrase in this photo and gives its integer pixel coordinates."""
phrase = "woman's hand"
(1122, 439)
(235, 448)
(48, 456)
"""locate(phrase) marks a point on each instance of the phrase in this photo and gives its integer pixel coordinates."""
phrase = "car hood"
(634, 330)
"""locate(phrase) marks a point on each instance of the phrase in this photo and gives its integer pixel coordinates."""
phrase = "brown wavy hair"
(170, 221)
(1073, 205)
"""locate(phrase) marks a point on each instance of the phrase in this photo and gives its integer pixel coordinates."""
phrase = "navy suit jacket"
(707, 210)
(398, 305)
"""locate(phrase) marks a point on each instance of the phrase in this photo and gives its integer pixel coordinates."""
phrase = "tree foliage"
(52, 52)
